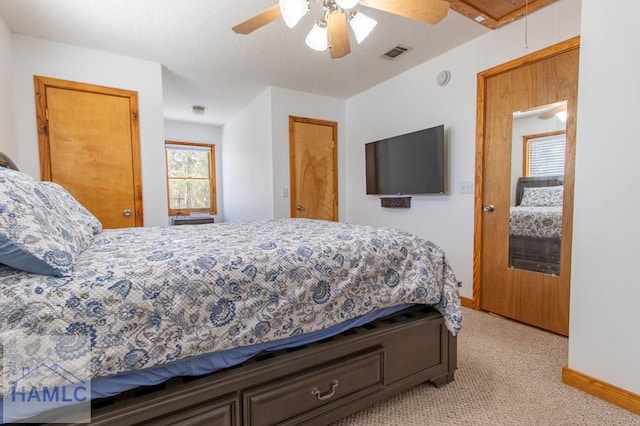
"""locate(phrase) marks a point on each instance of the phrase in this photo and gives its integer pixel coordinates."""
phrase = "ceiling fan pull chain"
(526, 24)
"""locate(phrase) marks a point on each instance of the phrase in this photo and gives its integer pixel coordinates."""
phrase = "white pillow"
(543, 196)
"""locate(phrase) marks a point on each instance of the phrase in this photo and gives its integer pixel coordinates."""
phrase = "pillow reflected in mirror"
(544, 196)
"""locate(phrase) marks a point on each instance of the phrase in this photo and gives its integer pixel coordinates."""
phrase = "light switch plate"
(466, 187)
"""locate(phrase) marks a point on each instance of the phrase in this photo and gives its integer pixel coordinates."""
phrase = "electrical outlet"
(466, 187)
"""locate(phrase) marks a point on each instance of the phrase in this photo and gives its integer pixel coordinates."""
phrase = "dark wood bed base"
(314, 384)
(535, 254)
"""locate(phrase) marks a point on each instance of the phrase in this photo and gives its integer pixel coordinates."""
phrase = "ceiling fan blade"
(427, 11)
(552, 112)
(338, 34)
(258, 21)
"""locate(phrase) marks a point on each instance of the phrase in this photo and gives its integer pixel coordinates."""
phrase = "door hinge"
(46, 113)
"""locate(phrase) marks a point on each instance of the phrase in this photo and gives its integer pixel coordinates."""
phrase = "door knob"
(126, 212)
(299, 207)
(489, 208)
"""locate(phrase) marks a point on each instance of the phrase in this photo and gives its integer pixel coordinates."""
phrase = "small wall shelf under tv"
(395, 202)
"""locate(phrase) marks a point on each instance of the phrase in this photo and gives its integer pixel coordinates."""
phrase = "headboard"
(5, 161)
(524, 182)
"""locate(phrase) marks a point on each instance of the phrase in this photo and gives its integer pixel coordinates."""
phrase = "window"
(190, 178)
(544, 154)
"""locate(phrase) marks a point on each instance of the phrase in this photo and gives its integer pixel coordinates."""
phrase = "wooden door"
(542, 78)
(89, 143)
(314, 171)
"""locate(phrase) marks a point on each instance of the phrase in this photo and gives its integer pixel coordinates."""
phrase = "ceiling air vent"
(395, 52)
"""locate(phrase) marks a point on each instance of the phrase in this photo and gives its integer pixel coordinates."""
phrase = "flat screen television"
(413, 163)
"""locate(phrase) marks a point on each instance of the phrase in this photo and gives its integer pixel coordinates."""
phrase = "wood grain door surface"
(89, 143)
(539, 79)
(313, 164)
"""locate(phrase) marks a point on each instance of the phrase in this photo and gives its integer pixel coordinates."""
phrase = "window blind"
(546, 156)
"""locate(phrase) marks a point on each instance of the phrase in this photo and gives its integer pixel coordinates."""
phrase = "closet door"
(89, 143)
(528, 281)
(313, 157)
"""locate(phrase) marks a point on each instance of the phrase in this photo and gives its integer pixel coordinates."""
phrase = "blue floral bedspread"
(141, 297)
(537, 222)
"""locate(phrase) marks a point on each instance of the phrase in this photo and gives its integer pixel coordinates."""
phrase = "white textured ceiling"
(205, 63)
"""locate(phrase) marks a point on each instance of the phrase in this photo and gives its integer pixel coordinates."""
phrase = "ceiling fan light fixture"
(361, 25)
(347, 4)
(293, 10)
(562, 116)
(317, 38)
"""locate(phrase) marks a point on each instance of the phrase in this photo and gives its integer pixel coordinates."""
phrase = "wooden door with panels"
(89, 143)
(521, 291)
(313, 162)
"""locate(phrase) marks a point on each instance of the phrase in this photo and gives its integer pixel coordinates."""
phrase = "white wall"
(605, 288)
(45, 58)
(192, 132)
(413, 101)
(7, 141)
(247, 151)
(200, 133)
(288, 102)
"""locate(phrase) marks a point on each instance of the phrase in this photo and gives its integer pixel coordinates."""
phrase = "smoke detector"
(443, 78)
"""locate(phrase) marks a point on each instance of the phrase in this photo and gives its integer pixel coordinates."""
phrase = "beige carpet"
(508, 374)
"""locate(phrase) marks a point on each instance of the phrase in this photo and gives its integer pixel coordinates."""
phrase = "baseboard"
(613, 394)
(466, 302)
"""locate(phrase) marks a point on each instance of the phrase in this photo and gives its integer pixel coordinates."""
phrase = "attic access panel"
(496, 12)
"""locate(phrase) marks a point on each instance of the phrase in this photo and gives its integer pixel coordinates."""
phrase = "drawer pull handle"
(321, 397)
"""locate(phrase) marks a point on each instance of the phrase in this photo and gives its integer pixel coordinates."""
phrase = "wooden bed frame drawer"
(303, 396)
(220, 413)
(184, 407)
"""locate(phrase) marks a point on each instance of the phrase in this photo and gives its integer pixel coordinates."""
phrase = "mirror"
(537, 188)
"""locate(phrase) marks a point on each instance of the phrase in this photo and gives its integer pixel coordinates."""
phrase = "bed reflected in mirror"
(537, 188)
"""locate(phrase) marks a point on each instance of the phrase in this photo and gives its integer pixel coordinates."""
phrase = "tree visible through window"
(190, 178)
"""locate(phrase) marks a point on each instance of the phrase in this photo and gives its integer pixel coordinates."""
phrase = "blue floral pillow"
(71, 208)
(544, 196)
(36, 235)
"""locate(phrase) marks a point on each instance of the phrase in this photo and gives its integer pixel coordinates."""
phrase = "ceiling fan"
(331, 31)
(558, 109)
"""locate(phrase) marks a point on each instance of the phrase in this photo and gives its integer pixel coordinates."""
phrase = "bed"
(288, 321)
(535, 224)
